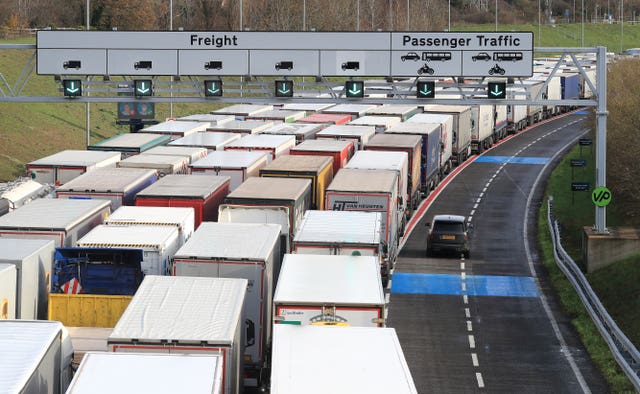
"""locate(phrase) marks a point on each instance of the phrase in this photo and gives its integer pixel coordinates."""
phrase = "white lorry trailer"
(431, 150)
(315, 289)
(446, 138)
(181, 218)
(33, 260)
(8, 291)
(163, 164)
(392, 161)
(379, 123)
(193, 153)
(230, 213)
(36, 357)
(302, 131)
(236, 164)
(370, 190)
(463, 126)
(241, 111)
(212, 141)
(61, 220)
(158, 243)
(211, 119)
(483, 137)
(370, 360)
(239, 250)
(130, 144)
(181, 315)
(350, 233)
(360, 135)
(242, 127)
(117, 185)
(292, 194)
(61, 167)
(174, 129)
(106, 373)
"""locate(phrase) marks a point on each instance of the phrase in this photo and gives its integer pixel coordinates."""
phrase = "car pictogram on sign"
(410, 56)
(481, 56)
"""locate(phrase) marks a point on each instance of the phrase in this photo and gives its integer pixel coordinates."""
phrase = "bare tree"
(129, 15)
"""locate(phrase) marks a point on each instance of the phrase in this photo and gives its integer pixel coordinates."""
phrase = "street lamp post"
(496, 15)
(582, 25)
(621, 23)
(539, 23)
(88, 120)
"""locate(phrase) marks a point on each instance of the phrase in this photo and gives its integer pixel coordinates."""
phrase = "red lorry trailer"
(203, 193)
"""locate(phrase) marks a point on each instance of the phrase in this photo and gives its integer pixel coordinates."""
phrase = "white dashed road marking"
(480, 380)
(474, 360)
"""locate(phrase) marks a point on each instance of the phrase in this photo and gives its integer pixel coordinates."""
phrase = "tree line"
(320, 15)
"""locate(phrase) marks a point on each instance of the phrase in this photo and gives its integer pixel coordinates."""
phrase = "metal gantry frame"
(319, 89)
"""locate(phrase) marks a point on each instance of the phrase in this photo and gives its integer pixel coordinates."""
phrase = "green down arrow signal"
(424, 91)
(72, 88)
(354, 90)
(497, 89)
(142, 89)
(213, 89)
(284, 89)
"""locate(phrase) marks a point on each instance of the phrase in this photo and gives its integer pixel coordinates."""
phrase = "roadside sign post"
(577, 163)
(578, 187)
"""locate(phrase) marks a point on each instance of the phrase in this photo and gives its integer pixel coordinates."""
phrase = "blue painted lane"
(476, 285)
(512, 160)
(582, 112)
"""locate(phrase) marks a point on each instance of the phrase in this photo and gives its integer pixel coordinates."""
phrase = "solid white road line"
(554, 324)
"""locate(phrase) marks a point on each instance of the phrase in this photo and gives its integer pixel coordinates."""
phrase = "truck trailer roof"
(52, 214)
(366, 181)
(77, 158)
(108, 179)
(298, 163)
(231, 241)
(106, 373)
(340, 227)
(344, 280)
(356, 359)
(24, 344)
(183, 310)
(289, 189)
(184, 186)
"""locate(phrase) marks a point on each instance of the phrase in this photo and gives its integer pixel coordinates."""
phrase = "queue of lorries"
(245, 247)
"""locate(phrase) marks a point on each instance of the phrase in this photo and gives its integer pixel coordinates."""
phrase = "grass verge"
(573, 213)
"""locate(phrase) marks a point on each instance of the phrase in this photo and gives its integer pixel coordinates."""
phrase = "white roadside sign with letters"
(406, 54)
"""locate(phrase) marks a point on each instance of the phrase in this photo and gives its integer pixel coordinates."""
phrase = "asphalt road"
(489, 323)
